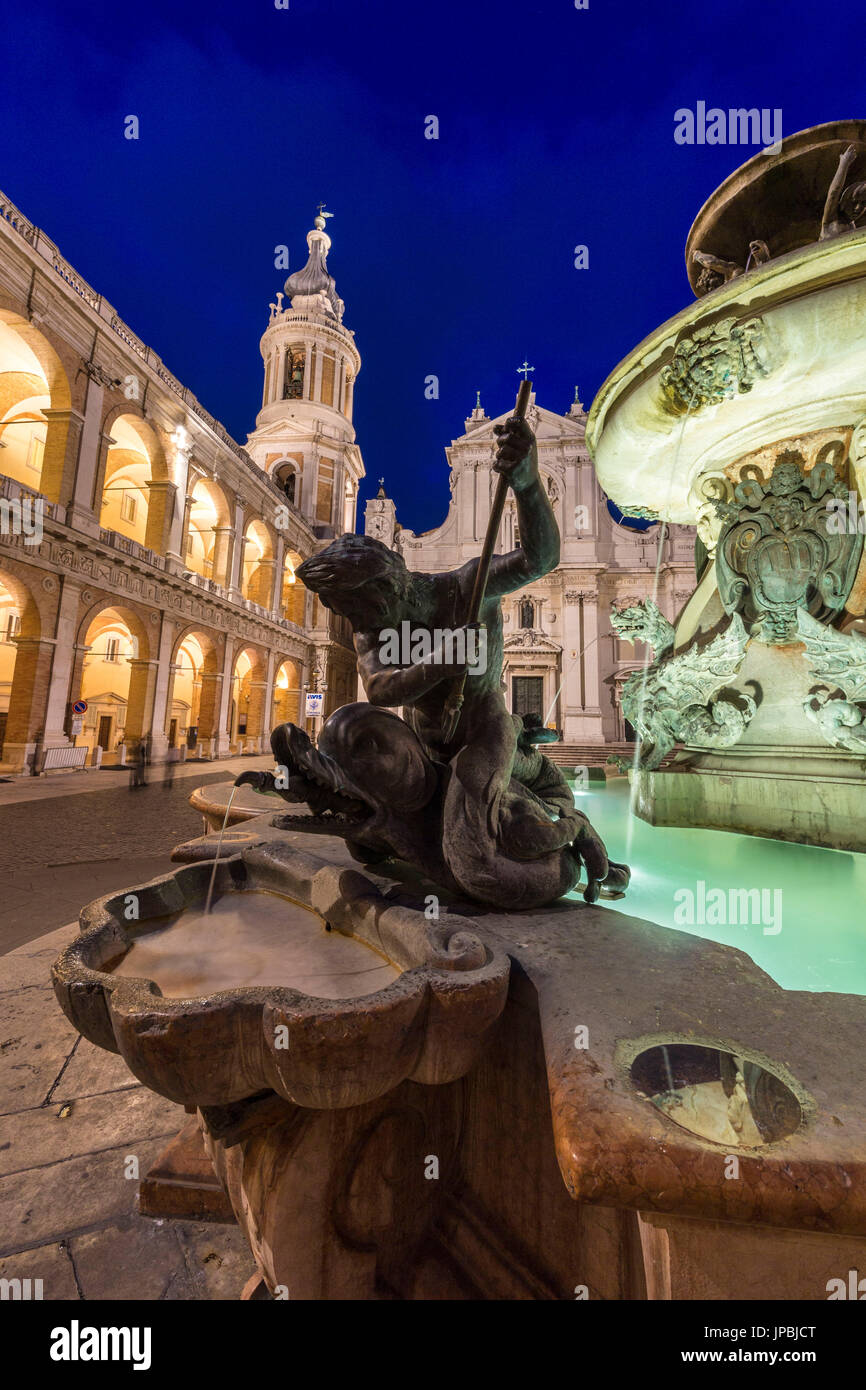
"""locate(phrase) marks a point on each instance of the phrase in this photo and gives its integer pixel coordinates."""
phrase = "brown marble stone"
(540, 1165)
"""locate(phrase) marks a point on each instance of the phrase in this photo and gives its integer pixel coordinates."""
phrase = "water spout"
(216, 859)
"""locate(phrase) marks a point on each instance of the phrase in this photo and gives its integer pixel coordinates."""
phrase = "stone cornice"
(64, 551)
(76, 310)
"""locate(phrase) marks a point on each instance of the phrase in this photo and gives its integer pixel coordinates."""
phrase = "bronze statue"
(480, 810)
(850, 201)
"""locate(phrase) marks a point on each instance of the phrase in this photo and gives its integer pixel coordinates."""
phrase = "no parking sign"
(80, 707)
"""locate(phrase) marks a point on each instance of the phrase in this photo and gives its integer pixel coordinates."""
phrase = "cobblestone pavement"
(58, 853)
(71, 1118)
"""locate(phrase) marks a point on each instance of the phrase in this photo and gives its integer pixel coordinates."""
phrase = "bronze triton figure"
(469, 800)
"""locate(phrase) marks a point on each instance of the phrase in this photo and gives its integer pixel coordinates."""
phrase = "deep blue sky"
(455, 256)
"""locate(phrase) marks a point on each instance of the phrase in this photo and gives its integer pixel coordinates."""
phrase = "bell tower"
(304, 438)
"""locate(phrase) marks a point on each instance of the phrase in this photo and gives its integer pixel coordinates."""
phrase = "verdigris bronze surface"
(480, 810)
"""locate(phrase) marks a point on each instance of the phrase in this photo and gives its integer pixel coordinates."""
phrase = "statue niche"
(293, 389)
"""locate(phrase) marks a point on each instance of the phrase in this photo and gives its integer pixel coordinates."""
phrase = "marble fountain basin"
(774, 355)
(303, 981)
(583, 1079)
(212, 801)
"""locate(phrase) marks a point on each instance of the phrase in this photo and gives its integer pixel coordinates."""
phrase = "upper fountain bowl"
(770, 359)
(775, 198)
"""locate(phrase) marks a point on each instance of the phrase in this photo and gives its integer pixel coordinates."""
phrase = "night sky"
(455, 257)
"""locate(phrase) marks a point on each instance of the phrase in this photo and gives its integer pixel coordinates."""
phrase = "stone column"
(104, 444)
(222, 554)
(317, 385)
(80, 513)
(177, 553)
(311, 485)
(59, 692)
(256, 714)
(162, 692)
(209, 706)
(222, 731)
(161, 519)
(61, 451)
(79, 652)
(235, 580)
(273, 663)
(262, 583)
(139, 704)
(26, 717)
(277, 586)
(307, 394)
(593, 718)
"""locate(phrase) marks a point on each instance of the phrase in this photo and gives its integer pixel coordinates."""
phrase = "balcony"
(131, 548)
(13, 490)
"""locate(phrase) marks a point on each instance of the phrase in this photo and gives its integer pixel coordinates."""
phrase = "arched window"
(293, 389)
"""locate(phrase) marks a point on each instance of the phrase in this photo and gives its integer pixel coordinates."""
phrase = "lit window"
(112, 649)
(35, 453)
(13, 623)
(128, 507)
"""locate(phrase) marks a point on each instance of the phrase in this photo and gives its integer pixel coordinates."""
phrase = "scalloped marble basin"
(251, 939)
(305, 981)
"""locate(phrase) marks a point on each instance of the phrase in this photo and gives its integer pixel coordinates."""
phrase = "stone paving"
(75, 1127)
(72, 1117)
(65, 840)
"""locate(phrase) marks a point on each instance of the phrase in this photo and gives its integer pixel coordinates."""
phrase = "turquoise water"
(808, 927)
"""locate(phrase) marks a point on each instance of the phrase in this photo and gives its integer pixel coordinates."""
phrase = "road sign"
(80, 707)
(314, 703)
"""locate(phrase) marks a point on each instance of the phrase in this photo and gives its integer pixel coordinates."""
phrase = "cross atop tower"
(524, 370)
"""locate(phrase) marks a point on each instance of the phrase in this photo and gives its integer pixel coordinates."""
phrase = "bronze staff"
(454, 703)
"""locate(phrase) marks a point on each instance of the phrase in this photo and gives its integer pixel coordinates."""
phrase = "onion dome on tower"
(304, 437)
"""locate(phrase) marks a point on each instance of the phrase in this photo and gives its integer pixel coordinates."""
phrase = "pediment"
(547, 425)
(528, 640)
(107, 697)
(279, 430)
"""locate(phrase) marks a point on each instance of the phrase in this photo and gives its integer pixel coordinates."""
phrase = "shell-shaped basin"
(304, 980)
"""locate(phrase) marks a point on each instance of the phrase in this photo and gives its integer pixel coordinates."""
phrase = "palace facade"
(563, 661)
(148, 562)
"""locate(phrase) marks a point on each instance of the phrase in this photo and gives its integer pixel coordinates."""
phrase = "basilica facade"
(562, 659)
(148, 586)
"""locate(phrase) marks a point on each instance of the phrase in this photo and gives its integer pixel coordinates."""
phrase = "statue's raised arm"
(538, 554)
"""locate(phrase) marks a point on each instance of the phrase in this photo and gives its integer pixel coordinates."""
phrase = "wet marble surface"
(255, 939)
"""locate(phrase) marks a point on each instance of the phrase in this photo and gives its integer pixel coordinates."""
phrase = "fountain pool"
(807, 932)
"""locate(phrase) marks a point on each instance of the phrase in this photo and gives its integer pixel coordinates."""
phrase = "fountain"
(428, 1052)
(745, 415)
